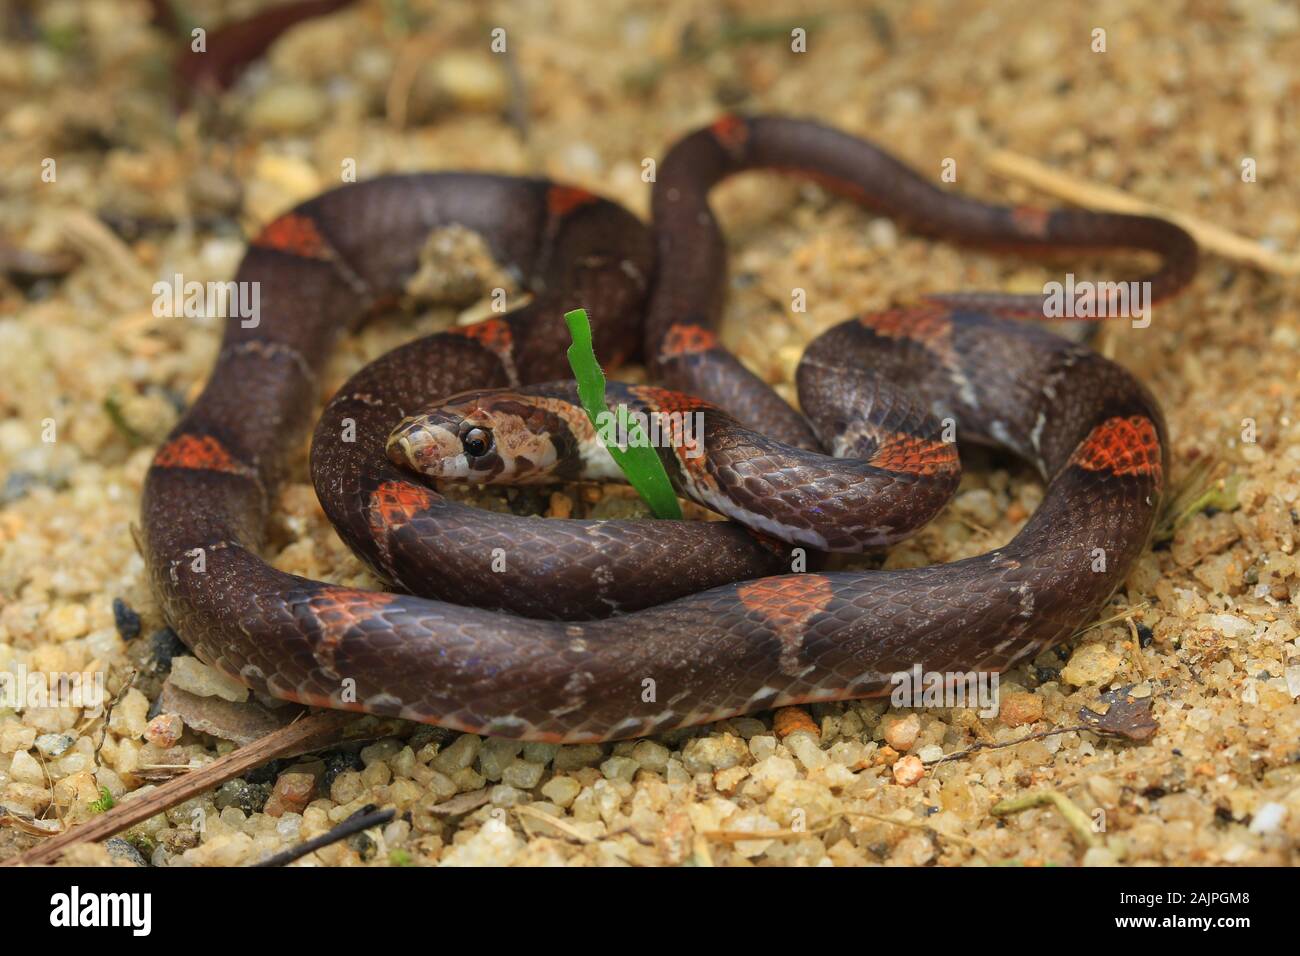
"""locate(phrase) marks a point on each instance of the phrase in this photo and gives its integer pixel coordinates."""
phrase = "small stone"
(885, 757)
(1100, 856)
(245, 796)
(908, 770)
(914, 850)
(706, 754)
(577, 756)
(24, 769)
(847, 753)
(66, 623)
(473, 81)
(1292, 681)
(752, 823)
(726, 781)
(15, 737)
(494, 844)
(119, 849)
(1268, 818)
(620, 768)
(384, 749)
(651, 756)
(458, 755)
(790, 720)
(803, 803)
(495, 755)
(467, 778)
(748, 727)
(979, 505)
(1091, 664)
(930, 754)
(130, 716)
(561, 791)
(522, 774)
(346, 787)
(1020, 708)
(540, 753)
(377, 774)
(287, 108)
(774, 770)
(504, 795)
(882, 233)
(191, 674)
(901, 732)
(1231, 626)
(53, 745)
(164, 730)
(806, 751)
(292, 792)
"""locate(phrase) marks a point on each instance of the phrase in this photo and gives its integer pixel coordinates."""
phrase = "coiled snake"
(704, 622)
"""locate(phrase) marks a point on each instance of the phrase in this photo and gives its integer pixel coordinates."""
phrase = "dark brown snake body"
(705, 624)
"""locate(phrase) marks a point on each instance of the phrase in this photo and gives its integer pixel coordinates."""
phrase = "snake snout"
(425, 447)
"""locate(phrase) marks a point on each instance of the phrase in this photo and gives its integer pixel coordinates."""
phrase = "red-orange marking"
(492, 334)
(1031, 220)
(911, 455)
(340, 610)
(788, 603)
(562, 200)
(198, 452)
(666, 400)
(927, 324)
(293, 233)
(687, 339)
(731, 131)
(394, 503)
(1122, 446)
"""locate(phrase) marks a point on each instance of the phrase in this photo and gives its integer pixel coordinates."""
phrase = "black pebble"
(127, 621)
(338, 762)
(1145, 635)
(120, 849)
(366, 847)
(266, 773)
(165, 645)
(526, 500)
(243, 795)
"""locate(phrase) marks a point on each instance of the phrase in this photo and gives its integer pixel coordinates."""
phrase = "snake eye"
(477, 442)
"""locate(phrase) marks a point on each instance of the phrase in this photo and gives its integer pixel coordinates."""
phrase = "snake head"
(491, 436)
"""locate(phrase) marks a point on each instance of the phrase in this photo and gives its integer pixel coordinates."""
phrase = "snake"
(569, 630)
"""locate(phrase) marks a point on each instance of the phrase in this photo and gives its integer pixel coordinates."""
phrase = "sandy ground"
(90, 379)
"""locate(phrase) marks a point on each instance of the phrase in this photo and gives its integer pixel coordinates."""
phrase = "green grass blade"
(639, 462)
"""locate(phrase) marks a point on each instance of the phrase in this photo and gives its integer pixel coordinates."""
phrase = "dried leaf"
(1123, 715)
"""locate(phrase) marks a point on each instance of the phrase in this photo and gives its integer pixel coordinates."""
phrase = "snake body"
(597, 630)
